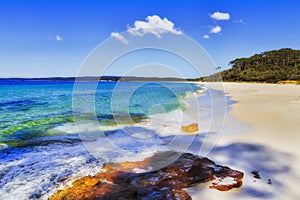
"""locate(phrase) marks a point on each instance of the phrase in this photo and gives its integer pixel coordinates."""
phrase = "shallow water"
(39, 145)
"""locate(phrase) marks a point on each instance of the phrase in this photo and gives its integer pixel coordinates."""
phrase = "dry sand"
(269, 144)
(273, 112)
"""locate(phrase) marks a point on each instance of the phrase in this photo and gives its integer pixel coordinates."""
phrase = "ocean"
(45, 136)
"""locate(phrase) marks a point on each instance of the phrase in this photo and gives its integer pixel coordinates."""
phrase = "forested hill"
(270, 66)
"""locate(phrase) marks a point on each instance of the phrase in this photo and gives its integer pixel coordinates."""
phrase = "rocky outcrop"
(191, 128)
(166, 183)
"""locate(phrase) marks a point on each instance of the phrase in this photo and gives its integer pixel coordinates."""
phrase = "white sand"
(272, 110)
(269, 145)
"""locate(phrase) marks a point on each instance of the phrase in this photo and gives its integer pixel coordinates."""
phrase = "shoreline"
(260, 134)
(268, 146)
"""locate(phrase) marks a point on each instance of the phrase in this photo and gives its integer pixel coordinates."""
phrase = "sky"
(53, 38)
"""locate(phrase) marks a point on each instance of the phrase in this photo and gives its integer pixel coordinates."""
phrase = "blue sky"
(52, 38)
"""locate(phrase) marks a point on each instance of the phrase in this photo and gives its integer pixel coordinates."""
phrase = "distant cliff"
(281, 65)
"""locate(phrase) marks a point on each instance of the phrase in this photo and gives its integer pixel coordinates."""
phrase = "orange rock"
(190, 128)
(166, 183)
(91, 181)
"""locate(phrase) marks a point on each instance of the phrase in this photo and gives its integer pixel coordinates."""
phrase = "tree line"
(270, 66)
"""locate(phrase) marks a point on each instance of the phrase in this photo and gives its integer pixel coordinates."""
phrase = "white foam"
(38, 172)
(3, 146)
(34, 173)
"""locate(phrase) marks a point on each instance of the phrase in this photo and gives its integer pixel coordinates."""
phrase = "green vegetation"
(281, 66)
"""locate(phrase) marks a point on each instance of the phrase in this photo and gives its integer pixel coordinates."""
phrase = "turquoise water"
(30, 110)
(38, 153)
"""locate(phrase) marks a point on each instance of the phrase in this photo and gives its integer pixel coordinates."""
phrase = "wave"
(29, 173)
(40, 155)
(3, 146)
(37, 170)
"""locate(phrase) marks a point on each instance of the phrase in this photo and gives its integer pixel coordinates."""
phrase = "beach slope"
(268, 151)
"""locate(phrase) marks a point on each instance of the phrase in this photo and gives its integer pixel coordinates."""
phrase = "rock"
(190, 128)
(256, 174)
(166, 183)
(269, 182)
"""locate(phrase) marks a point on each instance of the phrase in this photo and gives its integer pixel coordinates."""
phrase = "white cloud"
(206, 36)
(120, 37)
(216, 29)
(220, 16)
(58, 38)
(239, 21)
(154, 25)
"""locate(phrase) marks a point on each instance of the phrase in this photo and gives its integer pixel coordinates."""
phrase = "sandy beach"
(265, 120)
(271, 110)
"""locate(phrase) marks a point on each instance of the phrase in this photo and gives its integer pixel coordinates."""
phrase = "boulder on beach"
(191, 128)
(165, 183)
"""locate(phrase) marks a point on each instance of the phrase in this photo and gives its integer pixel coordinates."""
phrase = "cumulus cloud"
(120, 37)
(216, 29)
(153, 25)
(206, 36)
(220, 16)
(58, 38)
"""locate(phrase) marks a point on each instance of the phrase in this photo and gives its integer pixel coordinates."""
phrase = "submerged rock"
(166, 183)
